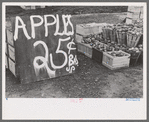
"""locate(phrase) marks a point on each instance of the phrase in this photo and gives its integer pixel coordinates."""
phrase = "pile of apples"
(95, 39)
(92, 39)
(117, 54)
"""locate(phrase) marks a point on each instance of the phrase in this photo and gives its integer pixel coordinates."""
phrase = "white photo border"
(63, 109)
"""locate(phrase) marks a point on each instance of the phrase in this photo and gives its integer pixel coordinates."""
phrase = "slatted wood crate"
(83, 30)
(97, 55)
(134, 13)
(90, 28)
(114, 62)
(10, 49)
(86, 49)
(109, 33)
(135, 60)
(133, 39)
(121, 37)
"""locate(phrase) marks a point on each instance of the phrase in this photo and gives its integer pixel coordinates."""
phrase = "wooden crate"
(133, 39)
(90, 28)
(85, 49)
(133, 15)
(135, 60)
(78, 38)
(97, 55)
(113, 62)
(121, 37)
(113, 35)
(106, 33)
(109, 33)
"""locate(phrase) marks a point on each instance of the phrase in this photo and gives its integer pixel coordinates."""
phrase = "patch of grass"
(73, 10)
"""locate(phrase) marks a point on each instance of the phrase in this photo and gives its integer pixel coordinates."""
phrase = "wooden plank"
(10, 37)
(78, 38)
(12, 67)
(11, 52)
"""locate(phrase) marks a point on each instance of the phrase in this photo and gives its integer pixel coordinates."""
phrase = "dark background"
(73, 10)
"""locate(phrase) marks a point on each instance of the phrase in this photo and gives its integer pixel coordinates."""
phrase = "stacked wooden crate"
(134, 13)
(10, 50)
(83, 30)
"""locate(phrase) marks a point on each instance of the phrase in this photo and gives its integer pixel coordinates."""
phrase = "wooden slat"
(11, 52)
(91, 28)
(12, 66)
(10, 38)
(78, 38)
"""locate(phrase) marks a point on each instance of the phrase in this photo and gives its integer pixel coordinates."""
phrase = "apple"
(140, 46)
(141, 49)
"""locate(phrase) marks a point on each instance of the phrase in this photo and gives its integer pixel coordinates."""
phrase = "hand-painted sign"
(44, 46)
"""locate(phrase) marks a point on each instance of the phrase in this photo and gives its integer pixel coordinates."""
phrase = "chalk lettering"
(57, 27)
(61, 52)
(66, 23)
(72, 61)
(48, 24)
(69, 46)
(44, 61)
(17, 26)
(33, 25)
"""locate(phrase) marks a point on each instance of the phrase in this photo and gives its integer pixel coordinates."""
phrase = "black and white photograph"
(80, 52)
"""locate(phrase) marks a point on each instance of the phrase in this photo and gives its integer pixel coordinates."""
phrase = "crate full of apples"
(109, 32)
(133, 36)
(136, 54)
(116, 59)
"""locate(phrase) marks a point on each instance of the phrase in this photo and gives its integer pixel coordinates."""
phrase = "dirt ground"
(91, 80)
